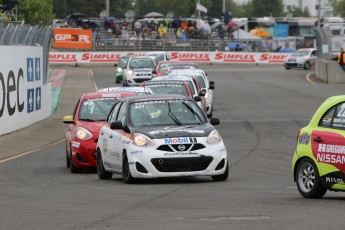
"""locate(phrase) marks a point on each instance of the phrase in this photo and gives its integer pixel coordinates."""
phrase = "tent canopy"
(242, 34)
(154, 15)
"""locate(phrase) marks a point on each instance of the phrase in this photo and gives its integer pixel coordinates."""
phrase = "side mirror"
(211, 87)
(115, 64)
(202, 93)
(116, 125)
(215, 121)
(154, 71)
(211, 82)
(68, 119)
(197, 98)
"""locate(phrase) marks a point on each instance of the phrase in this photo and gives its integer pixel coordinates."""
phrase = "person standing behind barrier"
(341, 59)
(124, 35)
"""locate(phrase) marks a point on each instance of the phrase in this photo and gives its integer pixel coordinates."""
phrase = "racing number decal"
(342, 111)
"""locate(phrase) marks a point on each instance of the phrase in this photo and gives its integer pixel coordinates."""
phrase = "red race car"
(83, 127)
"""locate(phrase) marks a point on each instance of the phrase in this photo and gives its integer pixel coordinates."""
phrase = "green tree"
(339, 8)
(263, 8)
(298, 12)
(35, 12)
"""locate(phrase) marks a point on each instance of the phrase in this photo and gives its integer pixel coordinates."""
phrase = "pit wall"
(329, 71)
(24, 99)
(191, 56)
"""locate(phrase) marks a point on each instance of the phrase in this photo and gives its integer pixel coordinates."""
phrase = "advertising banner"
(187, 56)
(24, 99)
(67, 38)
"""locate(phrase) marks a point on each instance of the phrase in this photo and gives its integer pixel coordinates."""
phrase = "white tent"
(240, 34)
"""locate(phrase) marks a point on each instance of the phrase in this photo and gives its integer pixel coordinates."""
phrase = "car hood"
(159, 132)
(142, 70)
(92, 127)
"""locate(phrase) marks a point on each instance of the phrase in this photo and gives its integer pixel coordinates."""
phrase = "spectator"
(162, 30)
(137, 28)
(98, 40)
(238, 48)
(124, 35)
(341, 59)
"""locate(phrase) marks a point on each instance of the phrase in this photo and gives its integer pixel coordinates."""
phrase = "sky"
(305, 3)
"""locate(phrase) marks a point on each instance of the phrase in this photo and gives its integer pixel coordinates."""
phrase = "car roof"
(156, 97)
(158, 81)
(125, 89)
(116, 94)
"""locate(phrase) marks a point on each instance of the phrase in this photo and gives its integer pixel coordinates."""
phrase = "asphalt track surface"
(261, 110)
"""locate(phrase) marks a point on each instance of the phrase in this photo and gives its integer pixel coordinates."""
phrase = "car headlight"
(142, 140)
(83, 133)
(213, 137)
(119, 69)
(130, 72)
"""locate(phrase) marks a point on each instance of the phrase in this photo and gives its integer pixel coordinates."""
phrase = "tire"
(211, 114)
(222, 177)
(126, 173)
(308, 180)
(307, 66)
(287, 68)
(73, 168)
(102, 174)
(68, 162)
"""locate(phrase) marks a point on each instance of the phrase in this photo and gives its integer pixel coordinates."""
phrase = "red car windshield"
(96, 109)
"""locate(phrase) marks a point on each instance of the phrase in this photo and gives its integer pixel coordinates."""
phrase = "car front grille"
(179, 148)
(291, 64)
(140, 80)
(182, 164)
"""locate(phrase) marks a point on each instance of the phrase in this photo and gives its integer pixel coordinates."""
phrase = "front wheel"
(222, 177)
(68, 162)
(287, 67)
(307, 66)
(101, 172)
(308, 180)
(126, 173)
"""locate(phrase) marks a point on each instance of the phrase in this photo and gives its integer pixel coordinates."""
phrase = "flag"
(201, 8)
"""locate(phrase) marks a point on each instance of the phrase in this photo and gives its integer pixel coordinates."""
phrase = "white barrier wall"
(24, 100)
(214, 57)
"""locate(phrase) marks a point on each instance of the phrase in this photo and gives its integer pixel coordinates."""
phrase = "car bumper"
(294, 64)
(152, 163)
(83, 153)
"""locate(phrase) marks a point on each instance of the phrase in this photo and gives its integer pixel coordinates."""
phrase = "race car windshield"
(96, 109)
(174, 112)
(141, 63)
(300, 53)
(168, 89)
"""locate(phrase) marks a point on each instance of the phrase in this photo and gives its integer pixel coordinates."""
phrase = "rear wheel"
(101, 172)
(308, 180)
(126, 173)
(307, 66)
(222, 177)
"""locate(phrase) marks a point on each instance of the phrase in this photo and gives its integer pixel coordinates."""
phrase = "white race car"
(205, 85)
(160, 136)
(138, 70)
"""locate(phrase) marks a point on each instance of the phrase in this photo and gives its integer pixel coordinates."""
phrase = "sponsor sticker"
(304, 139)
(180, 140)
(75, 144)
(180, 154)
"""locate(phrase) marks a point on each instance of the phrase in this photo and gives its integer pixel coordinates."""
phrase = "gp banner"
(184, 56)
(67, 38)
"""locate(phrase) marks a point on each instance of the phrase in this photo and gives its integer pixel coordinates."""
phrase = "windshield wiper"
(87, 119)
(193, 112)
(173, 116)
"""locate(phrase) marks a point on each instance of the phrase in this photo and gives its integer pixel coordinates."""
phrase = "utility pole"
(107, 7)
(223, 6)
(319, 15)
